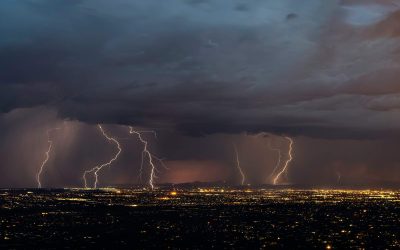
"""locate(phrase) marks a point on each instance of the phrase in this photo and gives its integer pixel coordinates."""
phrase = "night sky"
(206, 75)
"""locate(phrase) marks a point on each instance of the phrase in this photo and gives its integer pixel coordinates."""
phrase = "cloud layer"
(318, 69)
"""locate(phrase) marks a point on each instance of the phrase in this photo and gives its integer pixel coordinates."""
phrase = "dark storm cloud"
(321, 69)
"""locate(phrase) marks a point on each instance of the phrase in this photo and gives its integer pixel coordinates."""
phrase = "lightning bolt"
(47, 156)
(339, 177)
(97, 169)
(287, 161)
(278, 163)
(238, 165)
(146, 153)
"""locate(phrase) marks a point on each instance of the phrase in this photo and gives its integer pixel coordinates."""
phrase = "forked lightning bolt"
(97, 169)
(287, 161)
(47, 156)
(149, 155)
(238, 165)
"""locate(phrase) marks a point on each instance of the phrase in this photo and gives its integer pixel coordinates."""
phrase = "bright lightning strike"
(47, 156)
(97, 169)
(238, 165)
(278, 163)
(149, 155)
(287, 161)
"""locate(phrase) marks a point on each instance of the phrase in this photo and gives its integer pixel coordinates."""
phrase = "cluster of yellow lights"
(219, 190)
(72, 199)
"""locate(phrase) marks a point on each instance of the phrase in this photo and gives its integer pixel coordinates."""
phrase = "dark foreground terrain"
(199, 218)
